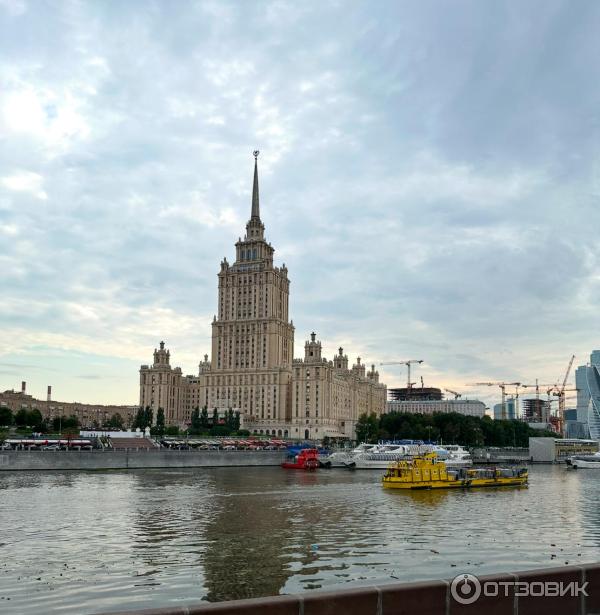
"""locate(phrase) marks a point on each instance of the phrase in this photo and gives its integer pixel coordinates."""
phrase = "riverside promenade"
(531, 592)
(134, 459)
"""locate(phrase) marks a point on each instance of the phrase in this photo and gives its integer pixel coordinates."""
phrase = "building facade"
(468, 407)
(252, 369)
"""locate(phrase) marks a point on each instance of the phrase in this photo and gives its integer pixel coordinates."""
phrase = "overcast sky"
(429, 173)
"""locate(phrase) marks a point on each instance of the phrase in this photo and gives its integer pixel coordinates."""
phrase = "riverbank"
(134, 459)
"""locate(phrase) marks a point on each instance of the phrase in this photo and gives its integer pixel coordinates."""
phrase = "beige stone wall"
(328, 398)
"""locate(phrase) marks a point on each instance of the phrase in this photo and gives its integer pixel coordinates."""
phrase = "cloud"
(25, 181)
(429, 175)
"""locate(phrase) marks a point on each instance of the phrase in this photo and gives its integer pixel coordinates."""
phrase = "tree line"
(449, 428)
(33, 419)
(202, 424)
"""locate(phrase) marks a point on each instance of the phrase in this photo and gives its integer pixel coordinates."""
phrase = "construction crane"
(537, 386)
(408, 364)
(560, 393)
(456, 395)
(502, 386)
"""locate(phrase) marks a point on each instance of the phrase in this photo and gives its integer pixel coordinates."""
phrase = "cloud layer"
(428, 175)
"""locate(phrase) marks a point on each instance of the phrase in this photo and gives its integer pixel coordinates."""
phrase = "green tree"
(196, 426)
(219, 430)
(367, 427)
(6, 416)
(35, 419)
(215, 417)
(160, 422)
(21, 417)
(115, 421)
(138, 421)
(148, 416)
(171, 430)
(204, 418)
(70, 423)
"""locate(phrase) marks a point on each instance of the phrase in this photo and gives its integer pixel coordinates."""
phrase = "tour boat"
(379, 456)
(305, 459)
(426, 472)
(457, 456)
(584, 461)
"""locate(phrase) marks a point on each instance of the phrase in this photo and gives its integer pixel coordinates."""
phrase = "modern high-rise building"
(252, 369)
(587, 382)
(511, 409)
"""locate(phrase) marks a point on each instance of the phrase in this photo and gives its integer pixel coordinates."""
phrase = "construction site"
(542, 405)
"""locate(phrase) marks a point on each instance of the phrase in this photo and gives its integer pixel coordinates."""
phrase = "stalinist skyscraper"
(252, 337)
(252, 369)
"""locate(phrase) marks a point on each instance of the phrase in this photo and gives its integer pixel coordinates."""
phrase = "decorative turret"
(358, 368)
(312, 350)
(204, 366)
(373, 374)
(161, 356)
(340, 361)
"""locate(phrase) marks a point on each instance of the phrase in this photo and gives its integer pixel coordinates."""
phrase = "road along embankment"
(134, 459)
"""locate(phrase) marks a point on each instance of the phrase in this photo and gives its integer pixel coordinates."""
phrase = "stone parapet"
(426, 598)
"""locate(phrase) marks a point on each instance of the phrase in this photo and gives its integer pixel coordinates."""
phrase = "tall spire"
(255, 202)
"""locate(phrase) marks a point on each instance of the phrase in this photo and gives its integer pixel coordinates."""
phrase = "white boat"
(584, 461)
(341, 459)
(458, 457)
(379, 456)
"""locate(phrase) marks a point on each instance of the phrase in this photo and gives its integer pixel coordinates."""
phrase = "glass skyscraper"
(587, 381)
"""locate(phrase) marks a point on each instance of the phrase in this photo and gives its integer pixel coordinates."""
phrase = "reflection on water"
(87, 542)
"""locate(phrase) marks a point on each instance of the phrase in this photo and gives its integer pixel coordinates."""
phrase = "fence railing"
(571, 590)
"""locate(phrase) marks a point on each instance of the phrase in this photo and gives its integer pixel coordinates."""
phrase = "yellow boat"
(426, 472)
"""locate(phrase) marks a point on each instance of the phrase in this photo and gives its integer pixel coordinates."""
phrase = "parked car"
(51, 447)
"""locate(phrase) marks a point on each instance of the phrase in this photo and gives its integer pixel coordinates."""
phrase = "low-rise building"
(551, 450)
(468, 407)
(88, 415)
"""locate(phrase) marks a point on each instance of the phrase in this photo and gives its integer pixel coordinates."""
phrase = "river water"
(78, 542)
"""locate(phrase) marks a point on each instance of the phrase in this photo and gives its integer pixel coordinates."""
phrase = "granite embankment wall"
(519, 593)
(132, 459)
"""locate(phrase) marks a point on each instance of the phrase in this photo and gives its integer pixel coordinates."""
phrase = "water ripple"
(80, 543)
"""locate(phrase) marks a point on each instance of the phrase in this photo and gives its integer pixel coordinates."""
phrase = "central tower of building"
(252, 337)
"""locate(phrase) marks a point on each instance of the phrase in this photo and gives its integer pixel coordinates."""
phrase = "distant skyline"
(437, 164)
